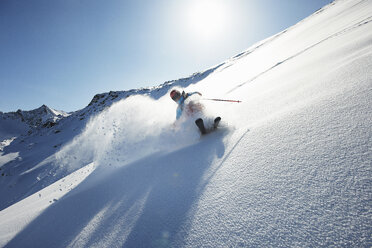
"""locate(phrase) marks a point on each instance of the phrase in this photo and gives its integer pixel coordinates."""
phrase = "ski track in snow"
(290, 167)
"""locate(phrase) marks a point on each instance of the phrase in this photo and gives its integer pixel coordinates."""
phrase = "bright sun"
(207, 18)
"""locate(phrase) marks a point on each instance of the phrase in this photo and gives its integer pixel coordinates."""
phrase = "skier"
(191, 108)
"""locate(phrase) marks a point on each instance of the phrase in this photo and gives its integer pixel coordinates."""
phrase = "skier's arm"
(193, 93)
(178, 113)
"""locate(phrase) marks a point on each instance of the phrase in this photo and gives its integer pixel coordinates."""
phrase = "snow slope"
(292, 167)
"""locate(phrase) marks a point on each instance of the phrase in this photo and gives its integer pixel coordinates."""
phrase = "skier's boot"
(216, 122)
(199, 122)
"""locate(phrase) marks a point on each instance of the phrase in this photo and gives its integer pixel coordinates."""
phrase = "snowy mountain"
(15, 123)
(290, 166)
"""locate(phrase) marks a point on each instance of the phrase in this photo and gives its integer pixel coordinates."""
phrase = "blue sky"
(63, 52)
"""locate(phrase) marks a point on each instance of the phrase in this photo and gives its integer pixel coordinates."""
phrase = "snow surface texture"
(292, 169)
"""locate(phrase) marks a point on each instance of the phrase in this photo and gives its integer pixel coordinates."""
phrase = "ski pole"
(221, 100)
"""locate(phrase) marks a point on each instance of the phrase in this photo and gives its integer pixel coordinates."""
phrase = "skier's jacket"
(191, 107)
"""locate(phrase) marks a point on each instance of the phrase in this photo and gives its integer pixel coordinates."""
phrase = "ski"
(216, 122)
(200, 124)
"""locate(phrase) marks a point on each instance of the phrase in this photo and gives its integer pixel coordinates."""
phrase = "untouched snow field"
(291, 165)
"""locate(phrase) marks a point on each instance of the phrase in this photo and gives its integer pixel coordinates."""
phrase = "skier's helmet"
(175, 95)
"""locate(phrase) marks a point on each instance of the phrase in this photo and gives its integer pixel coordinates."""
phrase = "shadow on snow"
(145, 204)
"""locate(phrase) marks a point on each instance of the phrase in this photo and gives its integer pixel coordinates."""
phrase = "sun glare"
(207, 18)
